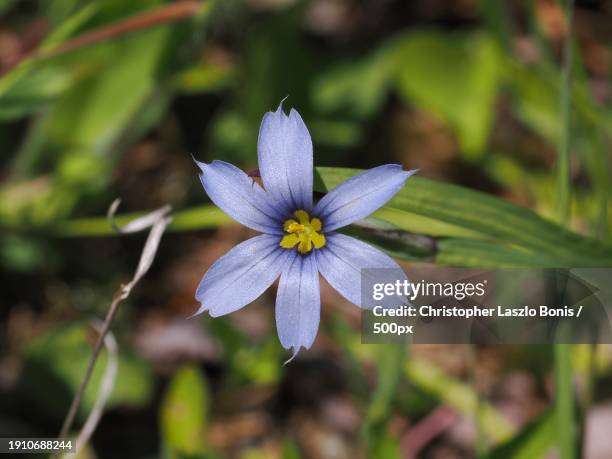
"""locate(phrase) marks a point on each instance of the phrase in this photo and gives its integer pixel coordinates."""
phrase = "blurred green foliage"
(456, 77)
(80, 112)
(535, 440)
(95, 101)
(56, 361)
(183, 414)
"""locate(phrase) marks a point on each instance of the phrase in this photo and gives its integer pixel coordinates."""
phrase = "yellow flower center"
(302, 231)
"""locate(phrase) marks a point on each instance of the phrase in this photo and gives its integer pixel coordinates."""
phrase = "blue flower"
(299, 238)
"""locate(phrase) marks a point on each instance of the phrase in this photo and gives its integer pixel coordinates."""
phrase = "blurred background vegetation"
(470, 92)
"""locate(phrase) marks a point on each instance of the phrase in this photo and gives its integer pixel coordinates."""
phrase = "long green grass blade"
(201, 217)
(485, 231)
(488, 215)
(563, 152)
(564, 402)
(489, 254)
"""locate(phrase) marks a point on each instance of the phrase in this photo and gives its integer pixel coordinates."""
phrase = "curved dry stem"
(158, 220)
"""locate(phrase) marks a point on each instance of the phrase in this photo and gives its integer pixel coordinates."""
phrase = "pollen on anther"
(303, 232)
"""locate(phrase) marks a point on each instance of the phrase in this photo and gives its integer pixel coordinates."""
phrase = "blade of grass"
(201, 217)
(482, 445)
(563, 148)
(487, 231)
(492, 217)
(489, 254)
(564, 402)
(603, 187)
(589, 392)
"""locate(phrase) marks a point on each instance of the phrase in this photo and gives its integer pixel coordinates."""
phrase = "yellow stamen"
(304, 234)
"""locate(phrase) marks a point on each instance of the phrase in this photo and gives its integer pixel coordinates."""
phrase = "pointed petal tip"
(280, 105)
(296, 350)
(201, 165)
(401, 168)
(284, 151)
(409, 173)
(295, 116)
(280, 109)
(199, 311)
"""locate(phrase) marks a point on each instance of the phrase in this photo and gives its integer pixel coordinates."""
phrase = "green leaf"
(30, 93)
(70, 25)
(455, 76)
(99, 109)
(488, 254)
(533, 442)
(492, 217)
(486, 231)
(184, 412)
(564, 402)
(419, 224)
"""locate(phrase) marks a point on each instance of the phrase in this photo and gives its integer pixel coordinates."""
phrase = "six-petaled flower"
(299, 238)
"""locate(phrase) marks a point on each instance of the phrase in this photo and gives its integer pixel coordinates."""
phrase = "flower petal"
(284, 150)
(241, 197)
(342, 259)
(241, 275)
(298, 303)
(360, 195)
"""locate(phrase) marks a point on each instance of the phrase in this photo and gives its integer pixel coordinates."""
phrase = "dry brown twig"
(106, 388)
(157, 220)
